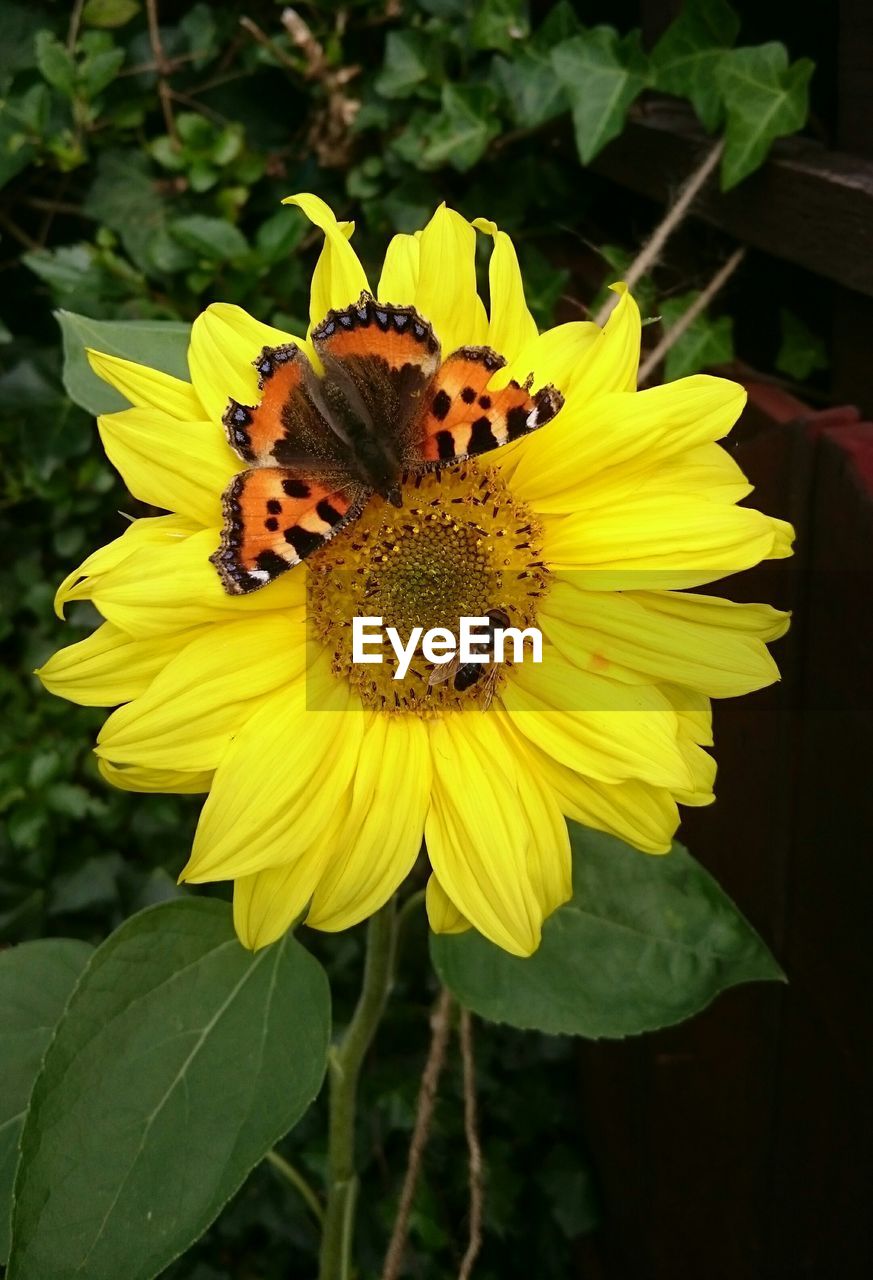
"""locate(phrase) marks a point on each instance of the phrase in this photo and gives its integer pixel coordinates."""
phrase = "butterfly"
(318, 448)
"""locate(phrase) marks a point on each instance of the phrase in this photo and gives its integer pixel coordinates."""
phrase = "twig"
(473, 1147)
(697, 307)
(18, 233)
(75, 22)
(196, 105)
(264, 40)
(651, 251)
(163, 67)
(440, 1025)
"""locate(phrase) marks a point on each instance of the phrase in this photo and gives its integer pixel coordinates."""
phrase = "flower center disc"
(460, 546)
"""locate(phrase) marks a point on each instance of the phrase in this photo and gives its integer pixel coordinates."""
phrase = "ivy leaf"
(55, 63)
(463, 129)
(644, 942)
(36, 979)
(801, 352)
(602, 75)
(163, 344)
(529, 85)
(499, 24)
(764, 98)
(109, 13)
(708, 340)
(180, 1061)
(409, 64)
(686, 58)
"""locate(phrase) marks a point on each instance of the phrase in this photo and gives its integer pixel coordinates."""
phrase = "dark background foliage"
(141, 178)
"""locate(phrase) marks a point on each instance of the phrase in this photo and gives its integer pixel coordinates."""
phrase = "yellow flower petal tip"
(322, 775)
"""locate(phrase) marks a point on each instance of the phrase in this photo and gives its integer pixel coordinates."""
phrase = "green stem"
(297, 1180)
(344, 1070)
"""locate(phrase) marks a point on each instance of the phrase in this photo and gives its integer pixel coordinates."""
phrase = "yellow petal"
(611, 363)
(206, 693)
(173, 586)
(477, 833)
(623, 431)
(552, 358)
(694, 713)
(383, 830)
(666, 541)
(107, 668)
(511, 327)
(446, 292)
(641, 815)
(399, 279)
(225, 342)
(598, 630)
(442, 914)
(147, 388)
(338, 279)
(182, 467)
(760, 621)
(130, 777)
(154, 531)
(279, 783)
(599, 727)
(549, 861)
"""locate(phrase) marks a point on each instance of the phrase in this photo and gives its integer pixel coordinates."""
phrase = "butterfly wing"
(293, 423)
(274, 517)
(461, 418)
(382, 358)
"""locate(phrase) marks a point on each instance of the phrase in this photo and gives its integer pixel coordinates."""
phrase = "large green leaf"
(180, 1061)
(708, 340)
(36, 979)
(602, 75)
(644, 942)
(163, 344)
(687, 56)
(765, 98)
(460, 133)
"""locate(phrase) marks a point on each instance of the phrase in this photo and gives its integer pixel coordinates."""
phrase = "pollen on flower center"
(461, 545)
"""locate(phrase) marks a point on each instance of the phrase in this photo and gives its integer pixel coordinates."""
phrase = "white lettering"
(404, 656)
(517, 639)
(470, 636)
(439, 645)
(360, 638)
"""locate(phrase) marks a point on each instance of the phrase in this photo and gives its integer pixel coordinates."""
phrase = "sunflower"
(322, 776)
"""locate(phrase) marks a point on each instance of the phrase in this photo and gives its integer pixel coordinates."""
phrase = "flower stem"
(344, 1070)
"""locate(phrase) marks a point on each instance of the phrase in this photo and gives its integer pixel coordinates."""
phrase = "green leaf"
(180, 1061)
(409, 62)
(212, 238)
(801, 351)
(162, 344)
(531, 89)
(109, 13)
(36, 979)
(602, 75)
(708, 340)
(644, 942)
(461, 132)
(687, 57)
(764, 98)
(499, 24)
(101, 62)
(55, 63)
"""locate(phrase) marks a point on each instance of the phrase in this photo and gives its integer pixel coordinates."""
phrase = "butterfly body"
(318, 448)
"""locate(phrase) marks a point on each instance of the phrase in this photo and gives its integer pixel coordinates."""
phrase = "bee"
(465, 675)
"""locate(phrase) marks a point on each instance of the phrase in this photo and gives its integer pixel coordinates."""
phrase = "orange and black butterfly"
(319, 448)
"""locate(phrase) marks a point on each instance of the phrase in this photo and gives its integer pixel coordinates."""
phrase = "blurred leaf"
(602, 75)
(765, 99)
(801, 351)
(181, 1059)
(55, 63)
(644, 942)
(109, 13)
(708, 340)
(36, 979)
(686, 59)
(499, 24)
(460, 133)
(410, 61)
(162, 344)
(210, 237)
(533, 92)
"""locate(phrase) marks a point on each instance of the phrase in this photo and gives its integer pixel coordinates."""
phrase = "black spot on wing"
(516, 422)
(468, 395)
(442, 402)
(445, 443)
(303, 542)
(328, 513)
(482, 438)
(271, 563)
(296, 488)
(271, 524)
(274, 506)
